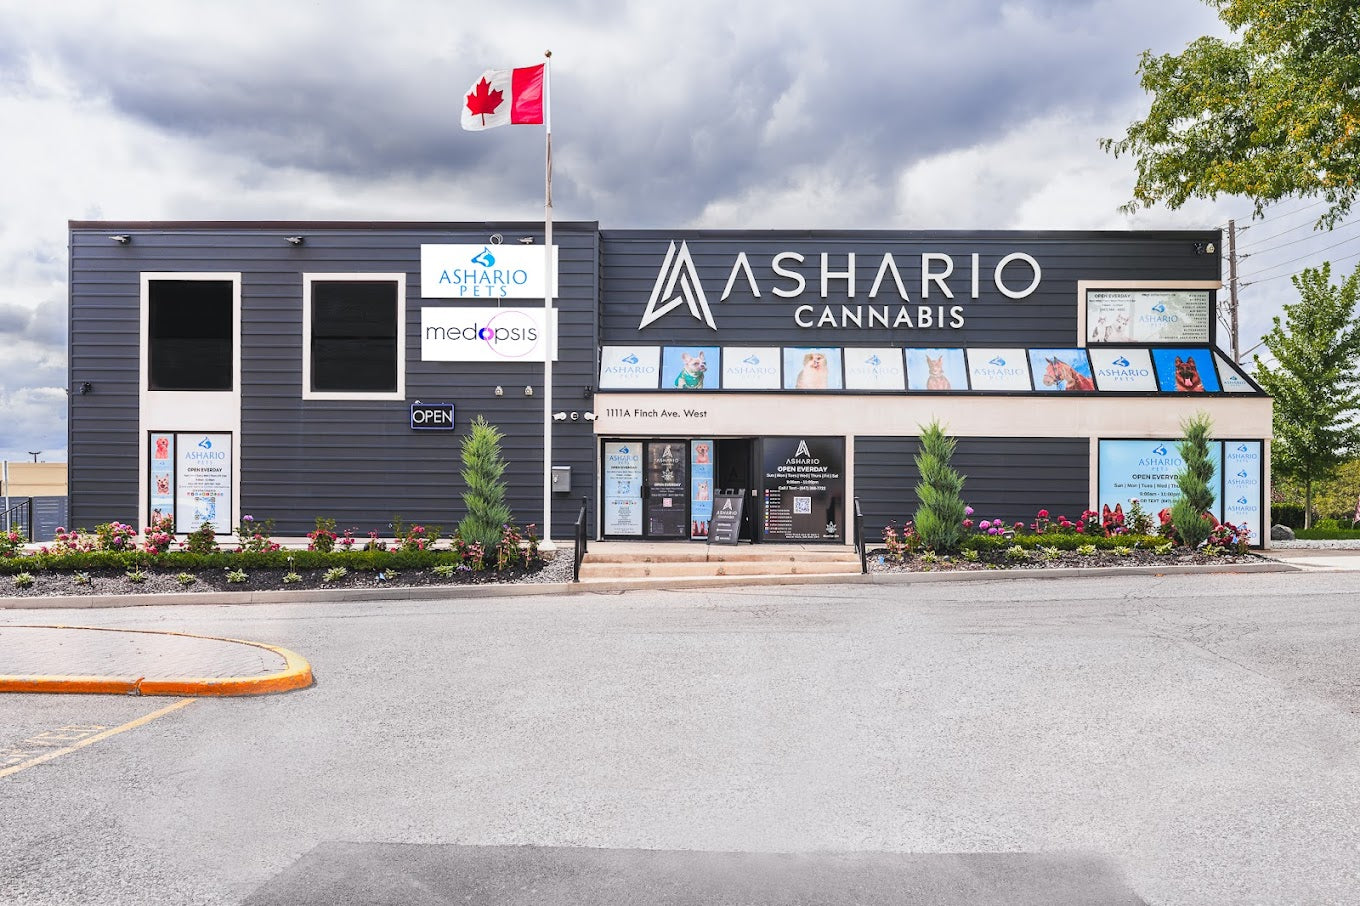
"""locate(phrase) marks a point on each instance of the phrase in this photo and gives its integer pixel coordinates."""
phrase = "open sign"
(432, 416)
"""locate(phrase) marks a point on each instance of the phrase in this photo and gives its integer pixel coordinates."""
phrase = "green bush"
(1000, 544)
(1313, 534)
(1195, 498)
(939, 518)
(483, 468)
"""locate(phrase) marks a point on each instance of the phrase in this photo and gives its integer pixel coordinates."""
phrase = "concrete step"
(609, 552)
(592, 571)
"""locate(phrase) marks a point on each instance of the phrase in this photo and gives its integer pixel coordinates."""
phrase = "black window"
(354, 336)
(189, 334)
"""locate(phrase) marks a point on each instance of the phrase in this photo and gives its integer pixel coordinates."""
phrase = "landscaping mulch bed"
(918, 562)
(115, 581)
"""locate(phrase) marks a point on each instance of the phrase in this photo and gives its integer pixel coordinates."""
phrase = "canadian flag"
(505, 96)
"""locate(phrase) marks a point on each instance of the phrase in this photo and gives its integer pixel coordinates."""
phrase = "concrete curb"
(608, 586)
(297, 674)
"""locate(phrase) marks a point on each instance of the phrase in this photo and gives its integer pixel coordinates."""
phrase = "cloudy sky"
(884, 114)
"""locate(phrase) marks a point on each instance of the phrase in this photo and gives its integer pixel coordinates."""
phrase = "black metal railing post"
(580, 552)
(859, 539)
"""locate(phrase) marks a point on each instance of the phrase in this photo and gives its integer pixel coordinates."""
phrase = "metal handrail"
(8, 517)
(859, 539)
(580, 551)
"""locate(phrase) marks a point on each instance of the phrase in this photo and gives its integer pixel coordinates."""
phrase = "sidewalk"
(136, 662)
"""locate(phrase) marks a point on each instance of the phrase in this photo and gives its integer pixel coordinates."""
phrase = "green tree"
(1271, 115)
(1314, 382)
(1195, 498)
(487, 511)
(939, 518)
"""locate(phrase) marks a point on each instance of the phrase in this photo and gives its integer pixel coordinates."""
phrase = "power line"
(1301, 226)
(1287, 274)
(1282, 245)
(1312, 254)
(1265, 220)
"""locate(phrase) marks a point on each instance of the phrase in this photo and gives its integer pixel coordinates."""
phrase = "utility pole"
(34, 455)
(1232, 290)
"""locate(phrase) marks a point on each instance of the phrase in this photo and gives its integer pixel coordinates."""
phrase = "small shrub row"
(178, 561)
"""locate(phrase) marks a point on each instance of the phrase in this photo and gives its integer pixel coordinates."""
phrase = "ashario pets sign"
(450, 334)
(484, 271)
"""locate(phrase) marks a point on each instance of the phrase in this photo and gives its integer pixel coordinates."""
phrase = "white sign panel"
(629, 367)
(998, 369)
(484, 271)
(203, 482)
(1242, 485)
(1123, 370)
(449, 334)
(1147, 316)
(875, 369)
(1232, 381)
(751, 367)
(1146, 470)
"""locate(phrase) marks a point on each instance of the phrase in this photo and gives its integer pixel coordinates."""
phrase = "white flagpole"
(548, 331)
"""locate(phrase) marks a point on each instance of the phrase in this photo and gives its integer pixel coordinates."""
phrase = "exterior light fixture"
(121, 239)
(500, 391)
(588, 416)
(295, 240)
(86, 387)
(559, 416)
(527, 240)
(528, 391)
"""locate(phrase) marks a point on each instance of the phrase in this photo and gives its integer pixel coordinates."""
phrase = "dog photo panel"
(691, 368)
(1185, 371)
(812, 368)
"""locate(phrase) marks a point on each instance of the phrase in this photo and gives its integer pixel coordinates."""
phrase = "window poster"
(1061, 370)
(161, 476)
(1122, 370)
(203, 478)
(936, 369)
(629, 367)
(1145, 470)
(998, 369)
(1148, 316)
(1242, 485)
(804, 488)
(691, 368)
(701, 487)
(812, 368)
(623, 488)
(1185, 371)
(750, 368)
(874, 369)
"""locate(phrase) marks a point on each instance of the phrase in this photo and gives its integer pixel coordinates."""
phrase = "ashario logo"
(752, 359)
(1159, 450)
(1159, 308)
(677, 283)
(624, 450)
(802, 450)
(486, 279)
(629, 365)
(1243, 501)
(873, 361)
(205, 444)
(1244, 474)
(630, 359)
(1121, 362)
(1243, 448)
(998, 361)
(485, 258)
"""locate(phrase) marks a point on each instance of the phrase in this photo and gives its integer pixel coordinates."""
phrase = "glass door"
(666, 489)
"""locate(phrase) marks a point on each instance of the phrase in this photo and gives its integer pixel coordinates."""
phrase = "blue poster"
(1145, 470)
(936, 369)
(1185, 371)
(691, 368)
(1067, 370)
(701, 487)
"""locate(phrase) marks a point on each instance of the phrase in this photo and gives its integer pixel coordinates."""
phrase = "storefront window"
(353, 330)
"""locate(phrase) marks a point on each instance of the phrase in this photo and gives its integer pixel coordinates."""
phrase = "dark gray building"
(302, 370)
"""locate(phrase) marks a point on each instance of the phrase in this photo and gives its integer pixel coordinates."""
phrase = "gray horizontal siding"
(355, 461)
(1004, 477)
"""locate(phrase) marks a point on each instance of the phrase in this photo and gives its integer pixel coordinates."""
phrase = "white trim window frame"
(308, 280)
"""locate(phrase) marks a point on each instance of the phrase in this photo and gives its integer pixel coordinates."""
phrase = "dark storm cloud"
(867, 90)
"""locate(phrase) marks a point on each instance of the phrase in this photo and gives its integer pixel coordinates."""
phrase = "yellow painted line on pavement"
(296, 674)
(91, 740)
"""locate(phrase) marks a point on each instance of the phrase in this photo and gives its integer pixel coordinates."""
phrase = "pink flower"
(1043, 514)
(985, 524)
(967, 523)
(967, 511)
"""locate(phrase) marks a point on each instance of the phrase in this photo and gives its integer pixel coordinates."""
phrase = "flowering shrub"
(507, 550)
(1226, 536)
(1138, 520)
(254, 536)
(416, 538)
(322, 538)
(347, 539)
(10, 542)
(900, 545)
(159, 535)
(115, 536)
(202, 540)
(474, 556)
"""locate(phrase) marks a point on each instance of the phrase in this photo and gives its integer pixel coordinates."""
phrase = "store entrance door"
(665, 484)
(736, 471)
